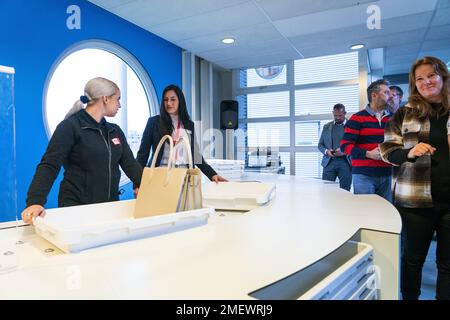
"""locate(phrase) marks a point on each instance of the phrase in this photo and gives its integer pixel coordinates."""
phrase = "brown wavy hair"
(422, 107)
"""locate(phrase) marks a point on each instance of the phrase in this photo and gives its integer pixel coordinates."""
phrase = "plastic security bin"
(77, 228)
(240, 196)
(229, 169)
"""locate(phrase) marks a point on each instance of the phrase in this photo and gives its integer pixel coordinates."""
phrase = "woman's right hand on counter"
(32, 212)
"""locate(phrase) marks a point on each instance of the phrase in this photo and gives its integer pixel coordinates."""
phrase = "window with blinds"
(321, 100)
(307, 133)
(326, 69)
(299, 107)
(267, 105)
(307, 164)
(268, 134)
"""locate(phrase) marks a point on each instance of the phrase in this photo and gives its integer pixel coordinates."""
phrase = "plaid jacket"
(412, 188)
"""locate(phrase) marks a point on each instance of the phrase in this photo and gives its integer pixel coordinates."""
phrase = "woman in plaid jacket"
(415, 139)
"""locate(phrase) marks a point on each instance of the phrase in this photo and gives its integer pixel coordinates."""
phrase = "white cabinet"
(348, 273)
(352, 280)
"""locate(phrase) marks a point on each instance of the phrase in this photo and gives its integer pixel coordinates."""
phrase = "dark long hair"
(166, 122)
(422, 108)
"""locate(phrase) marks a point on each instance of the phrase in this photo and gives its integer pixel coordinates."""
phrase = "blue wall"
(33, 35)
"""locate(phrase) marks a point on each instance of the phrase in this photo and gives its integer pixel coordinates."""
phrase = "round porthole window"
(269, 72)
(90, 59)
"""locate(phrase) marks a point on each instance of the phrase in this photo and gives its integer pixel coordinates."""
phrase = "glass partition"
(8, 191)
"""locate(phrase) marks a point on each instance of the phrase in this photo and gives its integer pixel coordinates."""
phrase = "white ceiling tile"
(283, 9)
(256, 48)
(398, 39)
(157, 12)
(405, 49)
(398, 68)
(359, 34)
(261, 32)
(443, 4)
(314, 27)
(441, 32)
(442, 17)
(239, 16)
(108, 4)
(257, 60)
(403, 58)
(441, 44)
(353, 16)
(311, 52)
(444, 55)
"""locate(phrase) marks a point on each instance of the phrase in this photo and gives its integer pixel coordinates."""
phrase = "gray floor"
(429, 275)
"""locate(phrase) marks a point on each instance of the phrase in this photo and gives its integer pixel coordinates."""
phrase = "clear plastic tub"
(240, 196)
(77, 228)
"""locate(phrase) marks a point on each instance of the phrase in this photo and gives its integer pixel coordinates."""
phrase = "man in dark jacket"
(334, 162)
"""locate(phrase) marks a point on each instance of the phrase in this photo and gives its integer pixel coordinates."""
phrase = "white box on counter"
(77, 228)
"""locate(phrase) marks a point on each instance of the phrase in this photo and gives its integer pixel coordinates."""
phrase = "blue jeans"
(364, 184)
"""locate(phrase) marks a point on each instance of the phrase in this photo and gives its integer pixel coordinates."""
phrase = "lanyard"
(177, 133)
(176, 138)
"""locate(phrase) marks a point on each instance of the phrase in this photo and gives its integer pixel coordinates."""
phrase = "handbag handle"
(187, 146)
(158, 148)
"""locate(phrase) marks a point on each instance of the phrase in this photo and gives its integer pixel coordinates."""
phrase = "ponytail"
(77, 106)
(94, 89)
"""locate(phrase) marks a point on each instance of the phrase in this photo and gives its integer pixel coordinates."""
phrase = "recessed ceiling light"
(228, 40)
(357, 46)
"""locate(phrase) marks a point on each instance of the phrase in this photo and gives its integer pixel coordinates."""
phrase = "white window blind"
(322, 100)
(268, 76)
(327, 68)
(268, 134)
(286, 162)
(322, 123)
(307, 133)
(307, 164)
(316, 90)
(271, 104)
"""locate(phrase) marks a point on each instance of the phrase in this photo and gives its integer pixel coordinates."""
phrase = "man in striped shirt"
(363, 132)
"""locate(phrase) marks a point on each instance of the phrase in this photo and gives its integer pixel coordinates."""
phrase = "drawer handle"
(361, 264)
(363, 293)
(364, 277)
(322, 297)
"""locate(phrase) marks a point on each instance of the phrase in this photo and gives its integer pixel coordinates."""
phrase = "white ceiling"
(274, 31)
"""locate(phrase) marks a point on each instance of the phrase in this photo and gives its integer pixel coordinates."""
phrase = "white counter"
(232, 256)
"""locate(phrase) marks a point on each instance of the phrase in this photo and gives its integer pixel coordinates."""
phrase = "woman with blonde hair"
(416, 140)
(90, 149)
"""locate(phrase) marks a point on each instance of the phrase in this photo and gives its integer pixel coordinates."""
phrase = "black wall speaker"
(229, 114)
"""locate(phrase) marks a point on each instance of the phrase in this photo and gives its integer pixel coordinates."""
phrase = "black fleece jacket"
(151, 137)
(91, 154)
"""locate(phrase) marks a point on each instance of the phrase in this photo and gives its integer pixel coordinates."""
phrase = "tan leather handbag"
(168, 189)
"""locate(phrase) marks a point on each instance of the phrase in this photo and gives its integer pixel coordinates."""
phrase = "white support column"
(206, 109)
(188, 85)
(363, 78)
